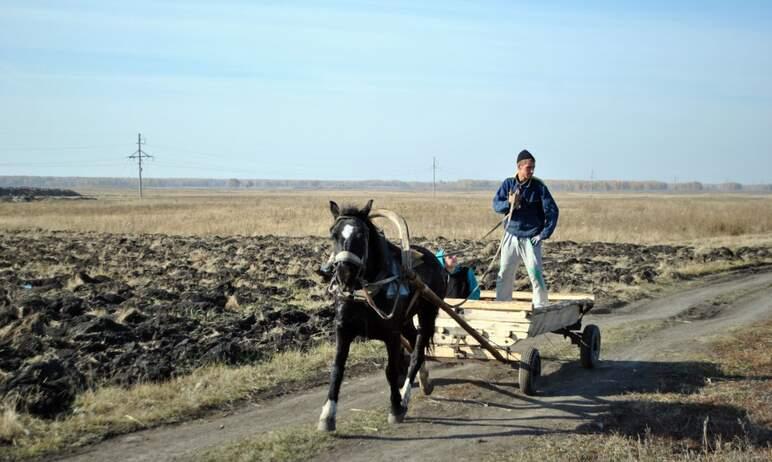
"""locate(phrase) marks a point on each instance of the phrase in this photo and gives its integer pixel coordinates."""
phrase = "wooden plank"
(497, 341)
(471, 352)
(498, 329)
(499, 336)
(434, 298)
(490, 305)
(499, 326)
(471, 342)
(487, 315)
(491, 328)
(555, 317)
(453, 337)
(527, 296)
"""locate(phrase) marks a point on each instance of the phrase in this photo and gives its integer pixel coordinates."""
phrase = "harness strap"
(377, 310)
(378, 285)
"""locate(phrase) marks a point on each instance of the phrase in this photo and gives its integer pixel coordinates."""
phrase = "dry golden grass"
(115, 410)
(702, 220)
(709, 219)
(11, 428)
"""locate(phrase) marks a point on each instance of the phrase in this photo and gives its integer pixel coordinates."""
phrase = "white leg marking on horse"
(406, 390)
(329, 409)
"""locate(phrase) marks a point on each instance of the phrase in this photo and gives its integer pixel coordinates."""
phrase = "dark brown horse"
(366, 263)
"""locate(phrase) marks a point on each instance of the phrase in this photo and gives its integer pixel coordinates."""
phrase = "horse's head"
(351, 239)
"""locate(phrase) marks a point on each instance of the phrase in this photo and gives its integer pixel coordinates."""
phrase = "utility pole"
(434, 176)
(139, 155)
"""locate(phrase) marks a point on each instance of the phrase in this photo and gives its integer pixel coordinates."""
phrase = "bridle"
(368, 288)
(345, 256)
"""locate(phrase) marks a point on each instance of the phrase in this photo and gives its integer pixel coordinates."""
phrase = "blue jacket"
(538, 212)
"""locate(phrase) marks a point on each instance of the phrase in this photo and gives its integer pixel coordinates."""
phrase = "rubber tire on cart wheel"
(530, 369)
(589, 350)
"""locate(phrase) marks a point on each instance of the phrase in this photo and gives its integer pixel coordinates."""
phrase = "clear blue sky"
(373, 90)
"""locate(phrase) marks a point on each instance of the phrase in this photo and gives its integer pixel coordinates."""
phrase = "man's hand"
(514, 199)
(535, 240)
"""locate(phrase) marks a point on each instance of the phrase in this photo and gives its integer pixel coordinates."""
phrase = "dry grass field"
(697, 221)
(702, 220)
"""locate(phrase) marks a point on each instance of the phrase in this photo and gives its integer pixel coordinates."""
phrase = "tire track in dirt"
(478, 406)
(166, 442)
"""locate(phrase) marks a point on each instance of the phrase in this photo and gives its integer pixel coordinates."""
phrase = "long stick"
(501, 241)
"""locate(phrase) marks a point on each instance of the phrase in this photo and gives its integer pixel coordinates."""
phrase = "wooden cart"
(486, 329)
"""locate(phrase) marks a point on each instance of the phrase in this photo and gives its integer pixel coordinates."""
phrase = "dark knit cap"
(524, 154)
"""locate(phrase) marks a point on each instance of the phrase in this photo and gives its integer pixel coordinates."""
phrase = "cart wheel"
(589, 350)
(530, 369)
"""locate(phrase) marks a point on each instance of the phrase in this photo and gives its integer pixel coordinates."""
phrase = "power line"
(199, 153)
(86, 163)
(139, 155)
(193, 166)
(57, 148)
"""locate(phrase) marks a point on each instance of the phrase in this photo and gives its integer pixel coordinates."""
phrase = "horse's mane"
(354, 211)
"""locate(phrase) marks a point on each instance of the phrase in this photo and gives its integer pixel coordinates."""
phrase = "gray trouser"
(514, 249)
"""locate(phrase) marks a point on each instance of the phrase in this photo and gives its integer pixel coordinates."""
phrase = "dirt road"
(477, 406)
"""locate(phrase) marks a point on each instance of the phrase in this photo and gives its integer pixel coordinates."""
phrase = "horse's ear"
(334, 209)
(367, 208)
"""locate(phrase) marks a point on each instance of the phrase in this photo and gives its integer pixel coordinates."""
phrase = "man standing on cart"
(531, 217)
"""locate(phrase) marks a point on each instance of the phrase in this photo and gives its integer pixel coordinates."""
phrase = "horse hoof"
(427, 387)
(326, 425)
(397, 418)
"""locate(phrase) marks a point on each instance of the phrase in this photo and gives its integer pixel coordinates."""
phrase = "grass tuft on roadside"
(728, 417)
(11, 428)
(296, 444)
(695, 270)
(288, 445)
(620, 448)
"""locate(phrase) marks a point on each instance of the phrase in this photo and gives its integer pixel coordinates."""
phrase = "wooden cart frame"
(486, 329)
(489, 328)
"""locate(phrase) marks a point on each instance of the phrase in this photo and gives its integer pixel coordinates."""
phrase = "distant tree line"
(386, 185)
(33, 192)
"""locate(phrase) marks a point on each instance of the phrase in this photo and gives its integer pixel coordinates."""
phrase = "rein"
(471, 247)
(498, 250)
(367, 296)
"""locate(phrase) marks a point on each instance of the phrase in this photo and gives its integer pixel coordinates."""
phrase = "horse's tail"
(431, 328)
(432, 273)
(430, 344)
(434, 311)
